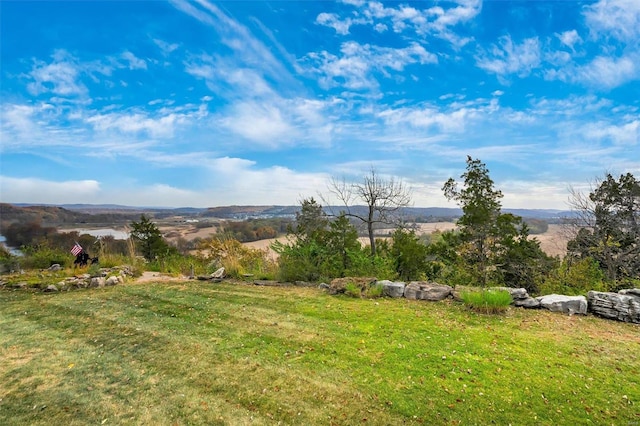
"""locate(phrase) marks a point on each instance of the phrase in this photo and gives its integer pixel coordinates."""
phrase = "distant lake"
(13, 251)
(102, 232)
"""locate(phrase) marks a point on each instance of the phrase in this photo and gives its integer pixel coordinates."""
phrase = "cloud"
(507, 57)
(135, 63)
(569, 38)
(627, 134)
(619, 19)
(248, 51)
(333, 20)
(437, 119)
(138, 122)
(59, 77)
(602, 72)
(355, 67)
(239, 181)
(166, 47)
(258, 122)
(437, 21)
(26, 190)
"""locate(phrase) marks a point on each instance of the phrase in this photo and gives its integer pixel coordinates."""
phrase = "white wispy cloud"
(604, 72)
(166, 47)
(438, 20)
(615, 18)
(60, 77)
(134, 62)
(355, 67)
(627, 134)
(46, 191)
(570, 38)
(507, 57)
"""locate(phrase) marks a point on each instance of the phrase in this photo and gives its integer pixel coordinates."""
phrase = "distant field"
(553, 242)
(179, 353)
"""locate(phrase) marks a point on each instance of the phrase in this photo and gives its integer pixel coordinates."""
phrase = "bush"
(487, 301)
(575, 277)
(353, 290)
(375, 291)
(42, 257)
(236, 258)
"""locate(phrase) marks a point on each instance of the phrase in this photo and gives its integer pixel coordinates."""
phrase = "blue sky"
(200, 103)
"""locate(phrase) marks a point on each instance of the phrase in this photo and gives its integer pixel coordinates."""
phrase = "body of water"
(12, 250)
(118, 235)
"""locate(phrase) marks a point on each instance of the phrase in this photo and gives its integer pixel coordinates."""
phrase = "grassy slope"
(197, 353)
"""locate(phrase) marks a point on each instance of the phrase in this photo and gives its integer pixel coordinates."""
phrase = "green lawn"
(202, 353)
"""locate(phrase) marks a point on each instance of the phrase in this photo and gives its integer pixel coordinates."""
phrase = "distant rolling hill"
(112, 213)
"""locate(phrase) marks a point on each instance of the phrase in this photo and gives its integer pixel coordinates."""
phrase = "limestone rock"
(97, 282)
(338, 285)
(218, 274)
(516, 293)
(529, 303)
(619, 306)
(564, 304)
(423, 290)
(113, 280)
(392, 288)
(631, 291)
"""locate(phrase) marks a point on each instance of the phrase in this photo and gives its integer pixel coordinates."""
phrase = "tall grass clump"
(237, 259)
(487, 301)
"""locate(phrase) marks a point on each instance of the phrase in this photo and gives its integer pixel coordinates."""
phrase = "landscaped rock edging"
(105, 277)
(621, 306)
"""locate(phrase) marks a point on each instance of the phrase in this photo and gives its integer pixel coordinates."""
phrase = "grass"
(199, 353)
(487, 301)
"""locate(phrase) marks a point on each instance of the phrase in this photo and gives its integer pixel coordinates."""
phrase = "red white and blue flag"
(77, 249)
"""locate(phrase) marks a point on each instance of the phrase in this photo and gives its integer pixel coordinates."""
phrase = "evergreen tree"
(149, 238)
(492, 244)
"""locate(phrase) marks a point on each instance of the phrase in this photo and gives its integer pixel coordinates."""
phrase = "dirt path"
(155, 277)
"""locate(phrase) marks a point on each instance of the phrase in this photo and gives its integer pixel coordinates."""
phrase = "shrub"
(42, 256)
(375, 291)
(409, 255)
(487, 301)
(236, 258)
(353, 290)
(575, 277)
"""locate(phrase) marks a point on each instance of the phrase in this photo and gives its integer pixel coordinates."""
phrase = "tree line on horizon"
(488, 247)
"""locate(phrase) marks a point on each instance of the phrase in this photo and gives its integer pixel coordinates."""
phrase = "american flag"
(77, 248)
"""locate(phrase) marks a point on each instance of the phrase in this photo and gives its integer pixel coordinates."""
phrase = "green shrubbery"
(575, 277)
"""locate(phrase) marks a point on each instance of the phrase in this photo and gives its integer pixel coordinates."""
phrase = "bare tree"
(383, 198)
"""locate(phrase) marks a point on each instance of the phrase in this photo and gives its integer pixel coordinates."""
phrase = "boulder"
(529, 303)
(619, 306)
(113, 280)
(392, 288)
(219, 274)
(516, 293)
(338, 285)
(631, 291)
(97, 282)
(423, 290)
(564, 304)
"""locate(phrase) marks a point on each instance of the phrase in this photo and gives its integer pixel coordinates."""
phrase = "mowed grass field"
(200, 353)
